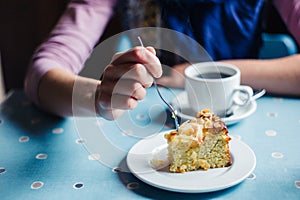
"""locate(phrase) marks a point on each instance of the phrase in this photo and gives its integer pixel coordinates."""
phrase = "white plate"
(180, 103)
(141, 154)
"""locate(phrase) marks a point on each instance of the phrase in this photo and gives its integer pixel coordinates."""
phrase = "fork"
(171, 109)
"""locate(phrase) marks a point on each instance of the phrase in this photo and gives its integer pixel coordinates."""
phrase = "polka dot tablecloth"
(47, 157)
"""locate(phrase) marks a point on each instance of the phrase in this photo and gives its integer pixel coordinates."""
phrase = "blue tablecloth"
(47, 157)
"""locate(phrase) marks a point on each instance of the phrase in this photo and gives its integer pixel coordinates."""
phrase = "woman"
(52, 75)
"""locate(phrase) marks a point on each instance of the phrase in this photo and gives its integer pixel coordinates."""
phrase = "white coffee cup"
(215, 86)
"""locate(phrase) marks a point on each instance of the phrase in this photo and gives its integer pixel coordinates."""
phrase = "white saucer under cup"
(215, 86)
(184, 112)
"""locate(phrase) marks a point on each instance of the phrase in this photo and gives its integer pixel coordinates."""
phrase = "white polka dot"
(297, 184)
(99, 123)
(277, 155)
(270, 133)
(251, 176)
(272, 114)
(57, 130)
(23, 139)
(94, 156)
(41, 156)
(80, 141)
(133, 185)
(278, 99)
(37, 185)
(78, 185)
(140, 117)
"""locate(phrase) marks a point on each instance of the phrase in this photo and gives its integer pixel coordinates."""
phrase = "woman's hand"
(176, 77)
(125, 79)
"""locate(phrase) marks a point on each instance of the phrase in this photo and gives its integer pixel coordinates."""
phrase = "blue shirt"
(226, 29)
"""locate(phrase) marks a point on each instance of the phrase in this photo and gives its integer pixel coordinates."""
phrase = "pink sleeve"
(289, 11)
(71, 42)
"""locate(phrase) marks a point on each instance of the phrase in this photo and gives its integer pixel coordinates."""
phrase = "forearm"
(65, 94)
(277, 76)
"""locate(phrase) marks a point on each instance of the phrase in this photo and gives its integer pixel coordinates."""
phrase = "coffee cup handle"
(242, 95)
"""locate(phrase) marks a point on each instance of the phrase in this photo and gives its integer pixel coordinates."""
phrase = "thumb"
(151, 49)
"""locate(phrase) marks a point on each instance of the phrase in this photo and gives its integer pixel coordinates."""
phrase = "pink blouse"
(289, 11)
(77, 32)
(71, 42)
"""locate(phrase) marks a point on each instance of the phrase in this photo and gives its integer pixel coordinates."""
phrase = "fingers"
(125, 79)
(117, 101)
(134, 72)
(144, 56)
(126, 88)
(152, 50)
(110, 114)
(123, 95)
(111, 107)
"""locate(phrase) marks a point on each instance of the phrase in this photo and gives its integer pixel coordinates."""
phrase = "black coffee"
(213, 75)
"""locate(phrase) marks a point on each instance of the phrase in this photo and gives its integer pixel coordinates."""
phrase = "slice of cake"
(201, 143)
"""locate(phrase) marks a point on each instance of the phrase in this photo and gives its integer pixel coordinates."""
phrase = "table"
(47, 157)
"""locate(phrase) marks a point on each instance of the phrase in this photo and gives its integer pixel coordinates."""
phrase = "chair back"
(277, 45)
